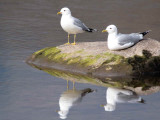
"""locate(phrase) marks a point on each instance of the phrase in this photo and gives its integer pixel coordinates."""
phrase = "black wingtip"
(144, 33)
(91, 30)
(142, 101)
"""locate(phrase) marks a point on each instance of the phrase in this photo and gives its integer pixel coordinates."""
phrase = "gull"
(118, 41)
(117, 95)
(72, 25)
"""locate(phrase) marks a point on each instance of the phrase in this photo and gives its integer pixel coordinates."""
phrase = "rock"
(94, 58)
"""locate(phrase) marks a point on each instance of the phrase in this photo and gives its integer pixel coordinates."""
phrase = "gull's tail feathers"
(144, 33)
(91, 30)
(142, 101)
(87, 90)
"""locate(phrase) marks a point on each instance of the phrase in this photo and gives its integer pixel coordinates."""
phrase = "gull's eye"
(64, 10)
(110, 28)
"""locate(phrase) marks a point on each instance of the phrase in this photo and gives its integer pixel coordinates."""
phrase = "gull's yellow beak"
(59, 13)
(57, 111)
(104, 30)
(102, 105)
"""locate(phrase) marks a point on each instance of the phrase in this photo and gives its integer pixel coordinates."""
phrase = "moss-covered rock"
(94, 58)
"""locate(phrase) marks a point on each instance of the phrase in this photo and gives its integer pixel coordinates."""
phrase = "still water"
(27, 93)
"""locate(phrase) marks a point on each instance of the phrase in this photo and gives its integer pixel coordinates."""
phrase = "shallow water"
(29, 25)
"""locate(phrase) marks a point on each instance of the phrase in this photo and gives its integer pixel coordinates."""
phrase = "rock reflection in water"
(116, 95)
(126, 89)
(140, 85)
(69, 98)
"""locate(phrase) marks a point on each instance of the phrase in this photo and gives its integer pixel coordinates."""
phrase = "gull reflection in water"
(116, 95)
(69, 98)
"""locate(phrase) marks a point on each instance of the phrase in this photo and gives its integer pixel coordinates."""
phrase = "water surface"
(29, 25)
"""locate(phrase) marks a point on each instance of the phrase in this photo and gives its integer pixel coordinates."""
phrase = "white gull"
(118, 41)
(72, 25)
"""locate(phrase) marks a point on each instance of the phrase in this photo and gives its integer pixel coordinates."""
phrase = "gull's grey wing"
(127, 98)
(129, 38)
(78, 23)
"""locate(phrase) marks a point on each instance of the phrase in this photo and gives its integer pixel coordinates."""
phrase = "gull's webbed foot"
(67, 43)
(73, 43)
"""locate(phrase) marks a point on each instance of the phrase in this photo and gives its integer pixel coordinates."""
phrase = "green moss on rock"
(108, 62)
(54, 54)
(113, 58)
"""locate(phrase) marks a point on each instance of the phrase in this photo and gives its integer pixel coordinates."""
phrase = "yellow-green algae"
(54, 54)
(136, 65)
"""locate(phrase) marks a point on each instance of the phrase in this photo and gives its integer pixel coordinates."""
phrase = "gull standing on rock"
(118, 41)
(72, 25)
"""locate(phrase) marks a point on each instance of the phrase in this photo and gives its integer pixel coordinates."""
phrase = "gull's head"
(111, 29)
(63, 114)
(109, 107)
(64, 11)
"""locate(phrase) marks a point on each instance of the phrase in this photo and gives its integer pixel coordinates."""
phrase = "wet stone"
(94, 58)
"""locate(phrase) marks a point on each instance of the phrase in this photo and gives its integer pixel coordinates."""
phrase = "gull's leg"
(67, 85)
(74, 85)
(74, 40)
(68, 40)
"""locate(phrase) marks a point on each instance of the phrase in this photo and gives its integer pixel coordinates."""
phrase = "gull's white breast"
(67, 23)
(112, 42)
